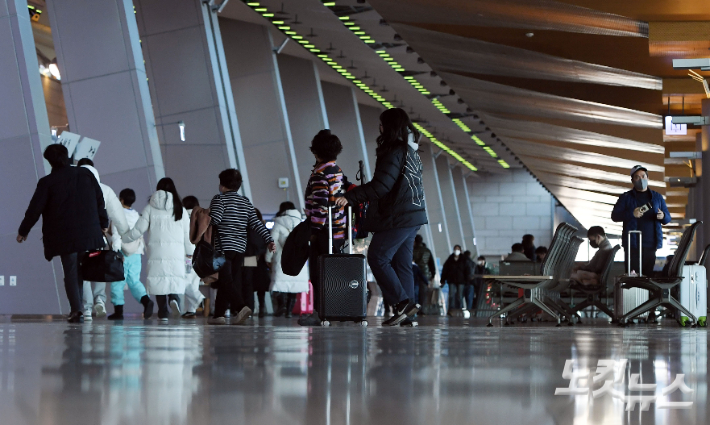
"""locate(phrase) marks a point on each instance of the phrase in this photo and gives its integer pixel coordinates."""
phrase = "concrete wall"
(507, 206)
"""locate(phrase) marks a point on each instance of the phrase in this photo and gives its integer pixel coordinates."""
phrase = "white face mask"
(457, 252)
(481, 263)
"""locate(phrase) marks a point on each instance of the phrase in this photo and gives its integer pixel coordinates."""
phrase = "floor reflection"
(442, 373)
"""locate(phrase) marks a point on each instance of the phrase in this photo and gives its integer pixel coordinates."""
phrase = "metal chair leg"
(672, 301)
(507, 308)
(547, 310)
(648, 305)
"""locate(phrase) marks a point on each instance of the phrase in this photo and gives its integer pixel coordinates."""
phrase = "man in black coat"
(71, 204)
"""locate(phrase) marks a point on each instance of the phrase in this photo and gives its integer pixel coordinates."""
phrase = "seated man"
(588, 274)
(517, 254)
(540, 254)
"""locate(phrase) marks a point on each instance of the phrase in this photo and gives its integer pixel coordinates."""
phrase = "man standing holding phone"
(641, 209)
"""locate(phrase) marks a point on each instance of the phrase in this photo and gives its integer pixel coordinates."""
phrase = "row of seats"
(543, 291)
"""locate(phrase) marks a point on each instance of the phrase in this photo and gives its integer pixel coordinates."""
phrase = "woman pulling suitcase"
(397, 211)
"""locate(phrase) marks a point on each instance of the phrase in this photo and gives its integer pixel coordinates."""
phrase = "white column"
(106, 89)
(435, 204)
(189, 82)
(305, 106)
(263, 119)
(344, 118)
(465, 211)
(24, 133)
(451, 208)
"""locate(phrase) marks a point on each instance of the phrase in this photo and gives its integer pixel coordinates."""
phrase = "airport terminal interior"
(555, 156)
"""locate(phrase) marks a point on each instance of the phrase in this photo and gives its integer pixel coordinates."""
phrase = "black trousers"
(230, 292)
(73, 283)
(319, 246)
(648, 260)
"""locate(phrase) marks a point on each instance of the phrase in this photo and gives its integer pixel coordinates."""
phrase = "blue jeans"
(390, 258)
(132, 269)
(469, 294)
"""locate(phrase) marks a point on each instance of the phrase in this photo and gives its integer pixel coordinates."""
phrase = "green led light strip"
(288, 31)
(352, 26)
(445, 148)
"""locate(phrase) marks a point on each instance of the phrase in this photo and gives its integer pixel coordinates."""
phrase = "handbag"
(296, 249)
(102, 265)
(206, 260)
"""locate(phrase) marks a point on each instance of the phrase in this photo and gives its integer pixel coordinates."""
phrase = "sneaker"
(217, 321)
(76, 317)
(174, 308)
(407, 308)
(227, 314)
(189, 315)
(100, 310)
(115, 316)
(310, 320)
(409, 323)
(87, 316)
(163, 320)
(394, 320)
(242, 316)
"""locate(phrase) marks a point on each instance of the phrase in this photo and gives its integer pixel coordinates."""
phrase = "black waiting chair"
(704, 256)
(660, 287)
(594, 292)
(535, 288)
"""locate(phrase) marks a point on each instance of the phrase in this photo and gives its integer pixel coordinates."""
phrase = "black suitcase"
(343, 285)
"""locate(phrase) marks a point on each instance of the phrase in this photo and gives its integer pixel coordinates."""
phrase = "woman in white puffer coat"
(287, 218)
(168, 246)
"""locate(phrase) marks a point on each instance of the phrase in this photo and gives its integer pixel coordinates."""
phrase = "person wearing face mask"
(641, 209)
(456, 272)
(588, 274)
(480, 268)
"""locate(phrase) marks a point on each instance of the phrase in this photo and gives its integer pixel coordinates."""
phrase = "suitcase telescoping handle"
(348, 231)
(640, 248)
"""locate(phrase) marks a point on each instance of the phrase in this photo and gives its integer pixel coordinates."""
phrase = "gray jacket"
(597, 263)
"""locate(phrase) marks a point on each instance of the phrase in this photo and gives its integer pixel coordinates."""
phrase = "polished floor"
(447, 371)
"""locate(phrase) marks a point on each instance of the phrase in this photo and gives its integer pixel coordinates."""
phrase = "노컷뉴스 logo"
(609, 379)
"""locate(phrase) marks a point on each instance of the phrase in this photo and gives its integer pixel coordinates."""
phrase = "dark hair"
(596, 231)
(127, 196)
(467, 253)
(482, 258)
(457, 246)
(285, 206)
(57, 155)
(190, 202)
(85, 161)
(258, 214)
(396, 127)
(231, 178)
(528, 240)
(326, 146)
(517, 247)
(418, 239)
(167, 184)
(541, 250)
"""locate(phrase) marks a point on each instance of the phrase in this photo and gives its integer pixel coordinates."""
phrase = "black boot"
(148, 305)
(282, 305)
(76, 317)
(163, 311)
(261, 296)
(117, 313)
(290, 304)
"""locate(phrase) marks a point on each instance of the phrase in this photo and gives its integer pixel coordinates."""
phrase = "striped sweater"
(232, 213)
(325, 184)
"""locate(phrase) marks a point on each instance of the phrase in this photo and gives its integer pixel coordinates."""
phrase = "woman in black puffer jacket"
(397, 211)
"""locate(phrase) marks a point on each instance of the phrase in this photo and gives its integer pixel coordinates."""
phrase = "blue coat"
(624, 211)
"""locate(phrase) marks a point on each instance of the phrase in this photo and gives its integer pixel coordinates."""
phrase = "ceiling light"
(54, 70)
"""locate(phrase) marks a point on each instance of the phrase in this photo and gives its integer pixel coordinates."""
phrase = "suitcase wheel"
(363, 323)
(325, 323)
(684, 321)
(702, 321)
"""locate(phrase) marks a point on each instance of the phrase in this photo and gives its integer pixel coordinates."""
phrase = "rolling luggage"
(625, 299)
(343, 285)
(694, 294)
